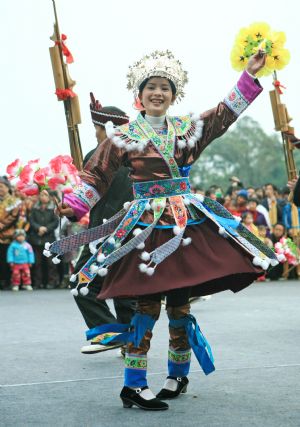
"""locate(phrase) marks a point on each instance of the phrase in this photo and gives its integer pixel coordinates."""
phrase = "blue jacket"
(20, 253)
(287, 216)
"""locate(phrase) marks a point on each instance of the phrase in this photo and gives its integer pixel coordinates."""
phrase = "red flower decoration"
(63, 94)
(183, 186)
(27, 174)
(14, 168)
(40, 176)
(120, 233)
(89, 194)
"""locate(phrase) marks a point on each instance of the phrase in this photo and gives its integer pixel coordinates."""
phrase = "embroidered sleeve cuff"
(243, 93)
(82, 199)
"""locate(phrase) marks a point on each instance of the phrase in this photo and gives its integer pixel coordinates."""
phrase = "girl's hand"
(292, 184)
(256, 62)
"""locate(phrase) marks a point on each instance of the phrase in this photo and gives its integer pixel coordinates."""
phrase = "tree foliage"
(246, 152)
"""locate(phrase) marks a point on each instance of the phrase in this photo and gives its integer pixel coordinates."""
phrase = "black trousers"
(96, 312)
(5, 272)
(174, 298)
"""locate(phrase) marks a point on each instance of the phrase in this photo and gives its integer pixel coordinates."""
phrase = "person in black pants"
(96, 312)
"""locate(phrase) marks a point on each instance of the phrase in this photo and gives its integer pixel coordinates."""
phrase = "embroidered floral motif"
(135, 362)
(165, 187)
(120, 233)
(178, 210)
(156, 189)
(182, 131)
(87, 194)
(179, 357)
(236, 101)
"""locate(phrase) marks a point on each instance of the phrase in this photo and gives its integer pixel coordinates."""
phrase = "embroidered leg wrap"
(197, 341)
(179, 354)
(136, 354)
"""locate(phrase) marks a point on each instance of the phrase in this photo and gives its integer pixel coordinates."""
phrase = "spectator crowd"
(27, 223)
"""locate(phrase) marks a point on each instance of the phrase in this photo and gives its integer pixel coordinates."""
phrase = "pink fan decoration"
(287, 250)
(60, 175)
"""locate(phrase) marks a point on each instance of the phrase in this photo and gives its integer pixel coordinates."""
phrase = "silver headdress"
(157, 64)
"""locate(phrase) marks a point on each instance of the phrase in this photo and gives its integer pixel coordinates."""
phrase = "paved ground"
(255, 337)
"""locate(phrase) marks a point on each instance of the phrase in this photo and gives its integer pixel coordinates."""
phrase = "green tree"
(246, 152)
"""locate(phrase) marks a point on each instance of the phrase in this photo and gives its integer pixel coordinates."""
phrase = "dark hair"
(279, 223)
(262, 227)
(285, 190)
(244, 214)
(143, 84)
(253, 199)
(272, 185)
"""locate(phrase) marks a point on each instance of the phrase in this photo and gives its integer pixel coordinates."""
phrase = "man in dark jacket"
(43, 223)
(96, 312)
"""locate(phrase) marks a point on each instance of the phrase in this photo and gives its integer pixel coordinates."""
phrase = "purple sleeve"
(243, 93)
(79, 207)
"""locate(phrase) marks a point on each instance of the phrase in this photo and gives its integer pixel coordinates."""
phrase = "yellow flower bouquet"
(259, 36)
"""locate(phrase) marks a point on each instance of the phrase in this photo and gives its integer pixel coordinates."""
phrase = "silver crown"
(157, 64)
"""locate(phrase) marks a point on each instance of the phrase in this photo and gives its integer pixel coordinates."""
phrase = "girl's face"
(157, 96)
(248, 219)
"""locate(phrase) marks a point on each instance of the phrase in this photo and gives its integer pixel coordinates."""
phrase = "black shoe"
(182, 383)
(132, 397)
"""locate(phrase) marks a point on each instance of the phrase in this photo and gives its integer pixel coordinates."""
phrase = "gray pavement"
(255, 337)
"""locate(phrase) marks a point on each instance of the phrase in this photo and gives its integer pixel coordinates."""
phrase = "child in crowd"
(247, 221)
(20, 256)
(262, 235)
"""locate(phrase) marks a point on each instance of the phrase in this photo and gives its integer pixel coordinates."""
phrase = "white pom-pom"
(274, 262)
(257, 261)
(111, 241)
(101, 258)
(187, 241)
(150, 271)
(195, 117)
(237, 218)
(191, 142)
(47, 253)
(181, 144)
(145, 256)
(56, 260)
(265, 264)
(148, 206)
(92, 249)
(200, 197)
(186, 202)
(141, 246)
(118, 245)
(143, 267)
(176, 230)
(281, 258)
(94, 268)
(103, 272)
(47, 246)
(222, 231)
(104, 220)
(73, 278)
(84, 291)
(126, 205)
(74, 292)
(109, 128)
(136, 231)
(117, 141)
